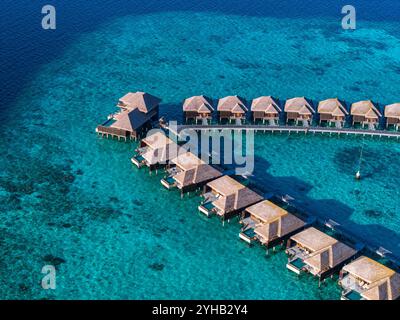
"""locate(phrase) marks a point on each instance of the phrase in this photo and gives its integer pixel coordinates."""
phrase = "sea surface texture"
(71, 199)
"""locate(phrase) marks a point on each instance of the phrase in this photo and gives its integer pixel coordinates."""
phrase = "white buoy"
(358, 175)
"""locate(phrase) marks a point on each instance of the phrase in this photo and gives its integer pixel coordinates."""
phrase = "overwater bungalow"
(138, 111)
(187, 172)
(268, 223)
(232, 108)
(317, 253)
(143, 101)
(366, 279)
(332, 111)
(392, 115)
(198, 109)
(266, 109)
(227, 197)
(299, 110)
(155, 151)
(365, 113)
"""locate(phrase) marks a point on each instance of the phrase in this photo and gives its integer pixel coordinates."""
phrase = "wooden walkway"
(268, 128)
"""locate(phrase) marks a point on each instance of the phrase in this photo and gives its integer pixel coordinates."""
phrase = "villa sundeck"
(138, 160)
(317, 253)
(366, 279)
(168, 182)
(207, 208)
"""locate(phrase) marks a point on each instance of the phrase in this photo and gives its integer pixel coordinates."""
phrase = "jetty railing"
(268, 128)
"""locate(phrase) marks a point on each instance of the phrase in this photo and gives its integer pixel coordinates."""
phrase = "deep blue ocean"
(71, 199)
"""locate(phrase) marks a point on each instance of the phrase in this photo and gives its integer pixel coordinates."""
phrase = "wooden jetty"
(287, 129)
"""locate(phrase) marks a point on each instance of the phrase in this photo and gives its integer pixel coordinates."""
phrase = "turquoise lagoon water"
(74, 200)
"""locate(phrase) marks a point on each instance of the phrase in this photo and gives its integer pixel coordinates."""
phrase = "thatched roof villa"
(268, 223)
(227, 197)
(156, 150)
(317, 253)
(366, 279)
(187, 172)
(198, 108)
(299, 110)
(266, 109)
(365, 113)
(138, 111)
(143, 101)
(232, 108)
(392, 115)
(332, 111)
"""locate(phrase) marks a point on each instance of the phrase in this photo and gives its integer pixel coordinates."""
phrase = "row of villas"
(140, 110)
(299, 110)
(269, 224)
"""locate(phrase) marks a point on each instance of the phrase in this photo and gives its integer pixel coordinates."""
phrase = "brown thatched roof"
(162, 154)
(333, 107)
(161, 148)
(368, 270)
(234, 195)
(299, 105)
(365, 109)
(325, 251)
(265, 104)
(145, 102)
(269, 213)
(157, 140)
(201, 104)
(187, 161)
(232, 104)
(392, 111)
(225, 185)
(313, 239)
(266, 211)
(196, 175)
(130, 120)
(384, 283)
(387, 289)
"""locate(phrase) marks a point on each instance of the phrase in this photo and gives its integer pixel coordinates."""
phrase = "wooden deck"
(113, 132)
(290, 129)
